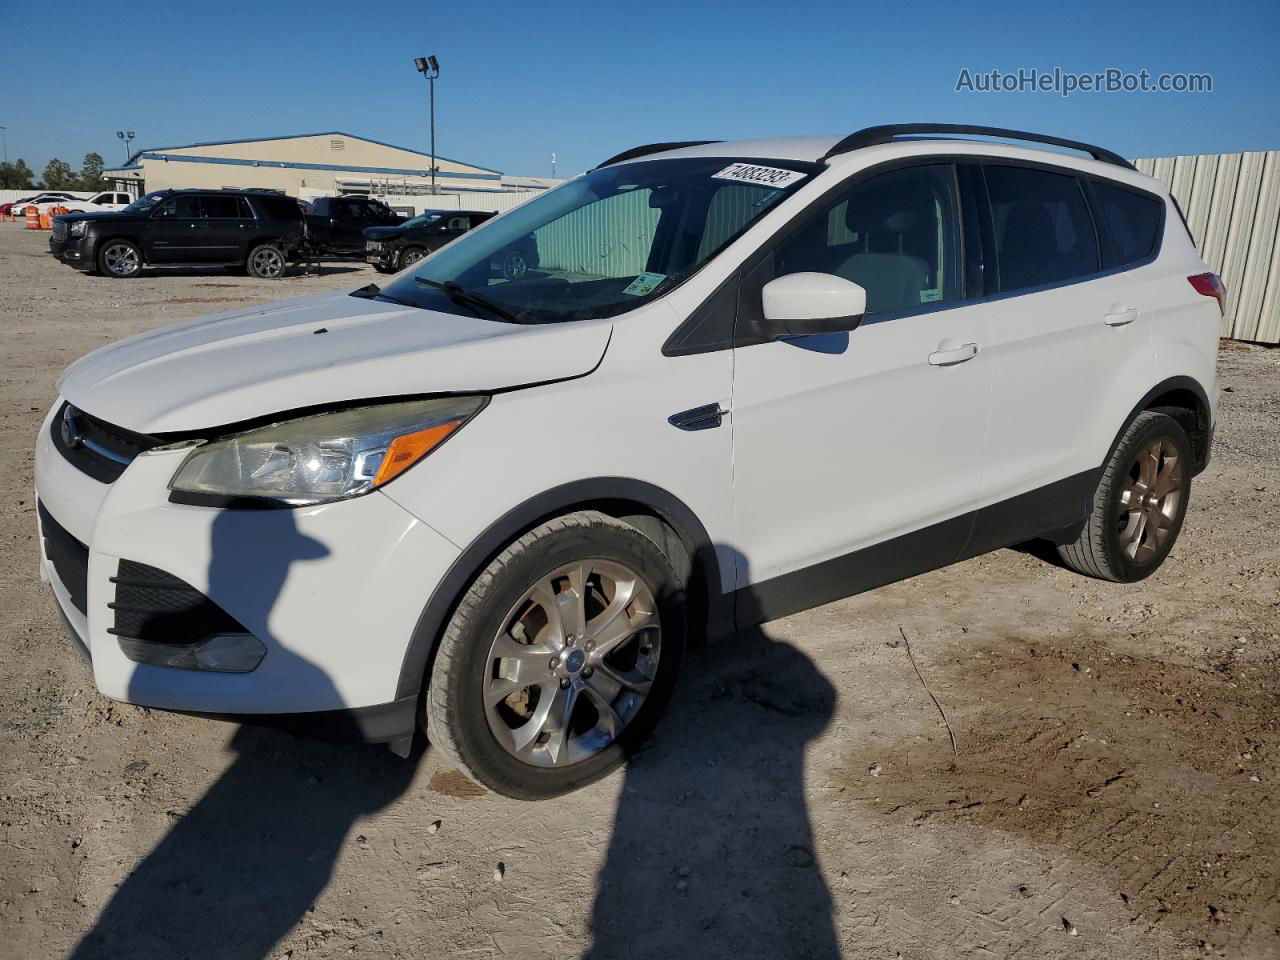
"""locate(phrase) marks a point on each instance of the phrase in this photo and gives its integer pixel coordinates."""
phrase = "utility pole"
(5, 141)
(429, 67)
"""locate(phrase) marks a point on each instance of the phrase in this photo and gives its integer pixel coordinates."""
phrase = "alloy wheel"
(122, 260)
(1150, 500)
(267, 263)
(573, 663)
(411, 257)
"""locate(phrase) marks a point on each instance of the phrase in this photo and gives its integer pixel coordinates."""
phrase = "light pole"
(5, 141)
(429, 67)
(126, 137)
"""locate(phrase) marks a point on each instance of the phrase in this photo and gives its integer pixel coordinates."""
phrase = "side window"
(185, 207)
(897, 235)
(221, 208)
(1131, 220)
(459, 223)
(1043, 230)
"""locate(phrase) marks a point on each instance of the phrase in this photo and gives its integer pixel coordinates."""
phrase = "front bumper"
(333, 592)
(78, 252)
(381, 253)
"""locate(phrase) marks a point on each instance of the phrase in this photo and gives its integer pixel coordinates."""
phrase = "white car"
(744, 379)
(106, 200)
(42, 201)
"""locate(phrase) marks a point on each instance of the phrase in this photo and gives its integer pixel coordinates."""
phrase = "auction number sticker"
(759, 176)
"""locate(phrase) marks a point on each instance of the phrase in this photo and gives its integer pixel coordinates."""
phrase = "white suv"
(744, 379)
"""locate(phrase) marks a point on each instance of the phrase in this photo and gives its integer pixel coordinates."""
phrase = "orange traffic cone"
(46, 222)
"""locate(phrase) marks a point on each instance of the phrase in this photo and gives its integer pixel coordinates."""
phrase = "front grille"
(70, 558)
(95, 447)
(156, 607)
(59, 230)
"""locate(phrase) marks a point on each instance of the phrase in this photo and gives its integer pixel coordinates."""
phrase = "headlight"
(78, 227)
(327, 457)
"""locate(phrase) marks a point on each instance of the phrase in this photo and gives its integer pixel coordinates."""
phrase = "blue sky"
(589, 79)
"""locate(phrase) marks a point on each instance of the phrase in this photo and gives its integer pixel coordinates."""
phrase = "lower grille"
(95, 447)
(156, 607)
(70, 558)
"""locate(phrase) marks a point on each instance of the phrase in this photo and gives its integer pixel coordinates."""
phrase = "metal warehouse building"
(302, 165)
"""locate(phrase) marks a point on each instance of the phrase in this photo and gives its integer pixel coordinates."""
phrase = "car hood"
(382, 233)
(312, 351)
(88, 215)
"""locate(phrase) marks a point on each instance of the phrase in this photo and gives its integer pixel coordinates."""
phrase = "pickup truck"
(336, 225)
(106, 200)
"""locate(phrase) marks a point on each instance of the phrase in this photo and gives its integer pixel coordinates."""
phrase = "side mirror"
(801, 304)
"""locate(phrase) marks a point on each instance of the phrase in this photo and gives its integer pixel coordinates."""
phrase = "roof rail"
(649, 148)
(871, 136)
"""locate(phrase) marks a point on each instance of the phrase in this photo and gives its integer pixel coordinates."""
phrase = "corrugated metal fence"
(1232, 204)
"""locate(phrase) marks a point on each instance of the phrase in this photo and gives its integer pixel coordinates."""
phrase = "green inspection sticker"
(644, 284)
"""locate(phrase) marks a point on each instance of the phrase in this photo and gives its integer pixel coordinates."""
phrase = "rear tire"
(1139, 504)
(266, 261)
(582, 617)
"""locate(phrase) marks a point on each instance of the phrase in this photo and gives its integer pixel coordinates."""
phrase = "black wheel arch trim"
(576, 495)
(1181, 382)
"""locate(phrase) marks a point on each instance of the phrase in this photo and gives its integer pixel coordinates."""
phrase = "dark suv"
(253, 230)
(395, 247)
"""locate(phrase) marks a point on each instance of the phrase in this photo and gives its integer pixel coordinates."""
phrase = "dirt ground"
(1112, 792)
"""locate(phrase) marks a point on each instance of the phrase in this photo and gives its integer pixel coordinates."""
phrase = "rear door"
(1067, 335)
(176, 232)
(229, 223)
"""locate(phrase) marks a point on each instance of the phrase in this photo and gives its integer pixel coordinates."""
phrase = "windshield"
(145, 202)
(601, 244)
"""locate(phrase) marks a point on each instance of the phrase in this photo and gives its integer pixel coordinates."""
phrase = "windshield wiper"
(468, 298)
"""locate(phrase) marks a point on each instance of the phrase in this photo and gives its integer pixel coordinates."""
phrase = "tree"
(58, 175)
(91, 173)
(16, 176)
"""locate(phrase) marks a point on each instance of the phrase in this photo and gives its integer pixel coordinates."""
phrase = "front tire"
(559, 659)
(120, 259)
(409, 256)
(1139, 504)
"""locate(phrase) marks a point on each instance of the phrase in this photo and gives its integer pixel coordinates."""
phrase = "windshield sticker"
(930, 296)
(758, 176)
(644, 284)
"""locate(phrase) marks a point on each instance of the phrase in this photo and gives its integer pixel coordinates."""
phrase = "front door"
(177, 232)
(858, 457)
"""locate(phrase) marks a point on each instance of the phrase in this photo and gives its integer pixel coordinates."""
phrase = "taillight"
(1211, 285)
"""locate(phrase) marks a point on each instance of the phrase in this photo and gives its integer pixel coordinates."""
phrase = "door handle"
(1119, 316)
(947, 356)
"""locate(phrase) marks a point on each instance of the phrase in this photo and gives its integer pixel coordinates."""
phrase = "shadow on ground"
(712, 851)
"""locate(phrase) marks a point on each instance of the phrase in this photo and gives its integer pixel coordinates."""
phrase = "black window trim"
(1099, 220)
(982, 238)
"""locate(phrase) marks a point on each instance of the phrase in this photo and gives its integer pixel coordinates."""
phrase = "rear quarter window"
(277, 207)
(1131, 220)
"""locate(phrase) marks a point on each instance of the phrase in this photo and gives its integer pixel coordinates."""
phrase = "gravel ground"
(1112, 792)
